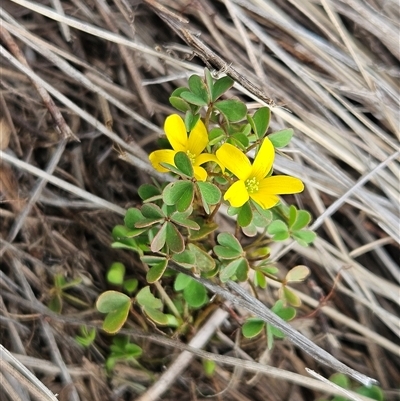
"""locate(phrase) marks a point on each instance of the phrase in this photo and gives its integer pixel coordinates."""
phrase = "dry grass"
(84, 90)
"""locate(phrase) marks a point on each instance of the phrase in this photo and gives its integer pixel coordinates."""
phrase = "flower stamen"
(252, 185)
(191, 156)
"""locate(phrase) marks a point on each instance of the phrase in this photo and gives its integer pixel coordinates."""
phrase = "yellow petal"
(198, 139)
(266, 201)
(199, 173)
(237, 194)
(175, 130)
(162, 156)
(234, 160)
(263, 160)
(207, 157)
(280, 185)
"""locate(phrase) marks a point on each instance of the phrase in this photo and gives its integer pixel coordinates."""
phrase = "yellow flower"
(253, 181)
(193, 145)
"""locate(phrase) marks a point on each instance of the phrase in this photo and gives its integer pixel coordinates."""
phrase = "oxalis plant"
(220, 158)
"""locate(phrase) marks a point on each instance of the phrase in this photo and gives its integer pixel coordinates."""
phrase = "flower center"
(252, 185)
(191, 156)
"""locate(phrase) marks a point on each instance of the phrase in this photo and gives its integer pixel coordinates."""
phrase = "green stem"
(214, 212)
(167, 300)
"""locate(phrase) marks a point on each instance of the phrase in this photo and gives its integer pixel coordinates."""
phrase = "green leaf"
(304, 237)
(260, 252)
(156, 271)
(108, 301)
(209, 80)
(221, 86)
(289, 296)
(195, 294)
(116, 273)
(193, 99)
(233, 211)
(292, 215)
(302, 220)
(297, 274)
(259, 279)
(132, 216)
(224, 252)
(177, 101)
(270, 336)
(117, 306)
(261, 120)
(182, 220)
(179, 104)
(71, 283)
(183, 163)
(230, 270)
(123, 245)
(159, 239)
(147, 191)
(242, 272)
(233, 110)
(279, 230)
(275, 331)
(182, 281)
(198, 87)
(152, 260)
(282, 236)
(282, 138)
(252, 327)
(156, 316)
(130, 285)
(185, 259)
(205, 230)
(173, 169)
(210, 193)
(285, 313)
(268, 269)
(245, 215)
(209, 367)
(146, 299)
(250, 230)
(191, 120)
(152, 211)
(174, 238)
(261, 217)
(276, 227)
(204, 262)
(240, 140)
(145, 224)
(88, 336)
(216, 135)
(341, 380)
(179, 193)
(230, 241)
(373, 392)
(124, 234)
(132, 350)
(56, 304)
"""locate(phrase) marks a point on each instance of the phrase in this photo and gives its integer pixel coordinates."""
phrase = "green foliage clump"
(175, 232)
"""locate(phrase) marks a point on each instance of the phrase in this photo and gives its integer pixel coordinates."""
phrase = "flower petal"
(264, 159)
(198, 139)
(237, 194)
(281, 185)
(266, 201)
(207, 157)
(234, 160)
(199, 173)
(175, 130)
(162, 156)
